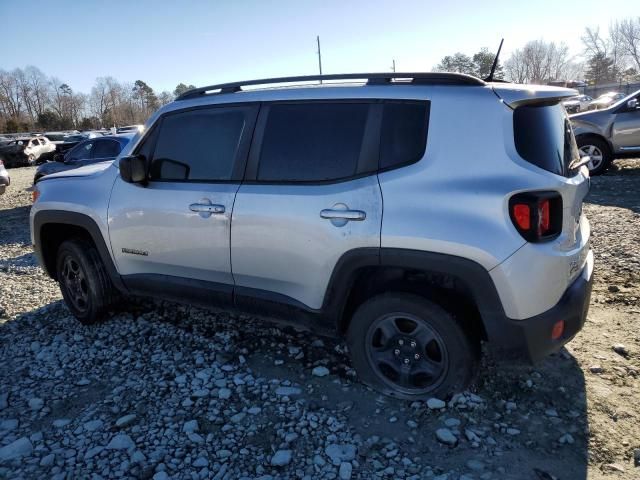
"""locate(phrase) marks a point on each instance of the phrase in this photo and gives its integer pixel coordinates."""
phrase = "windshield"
(55, 137)
(74, 138)
(624, 99)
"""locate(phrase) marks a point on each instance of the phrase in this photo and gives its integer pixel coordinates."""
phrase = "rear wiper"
(579, 162)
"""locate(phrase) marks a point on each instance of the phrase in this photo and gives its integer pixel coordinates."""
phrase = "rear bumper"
(531, 338)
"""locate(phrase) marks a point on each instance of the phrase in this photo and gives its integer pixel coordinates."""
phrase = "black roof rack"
(391, 78)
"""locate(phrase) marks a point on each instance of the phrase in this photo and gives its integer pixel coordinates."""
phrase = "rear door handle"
(354, 215)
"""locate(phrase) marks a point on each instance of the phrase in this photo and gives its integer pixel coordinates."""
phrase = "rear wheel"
(31, 160)
(599, 152)
(84, 282)
(408, 347)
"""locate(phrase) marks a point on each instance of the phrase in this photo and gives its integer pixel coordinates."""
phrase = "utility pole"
(319, 56)
(393, 66)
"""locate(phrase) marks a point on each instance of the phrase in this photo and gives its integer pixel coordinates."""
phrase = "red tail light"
(537, 215)
(522, 216)
(544, 218)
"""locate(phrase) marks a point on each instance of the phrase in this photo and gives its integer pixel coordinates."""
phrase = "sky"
(205, 42)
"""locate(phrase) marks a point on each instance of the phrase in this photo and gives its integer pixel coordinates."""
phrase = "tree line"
(613, 56)
(30, 100)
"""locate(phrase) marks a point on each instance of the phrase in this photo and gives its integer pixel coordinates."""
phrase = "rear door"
(310, 195)
(173, 234)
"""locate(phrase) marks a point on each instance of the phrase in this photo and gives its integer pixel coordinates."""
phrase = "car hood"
(603, 101)
(85, 171)
(50, 168)
(590, 116)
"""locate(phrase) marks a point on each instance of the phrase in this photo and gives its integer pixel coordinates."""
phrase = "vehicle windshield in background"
(543, 137)
(74, 138)
(55, 137)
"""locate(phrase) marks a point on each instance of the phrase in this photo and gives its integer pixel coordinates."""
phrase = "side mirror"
(133, 169)
(632, 104)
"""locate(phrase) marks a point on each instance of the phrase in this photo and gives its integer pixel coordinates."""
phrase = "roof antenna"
(495, 63)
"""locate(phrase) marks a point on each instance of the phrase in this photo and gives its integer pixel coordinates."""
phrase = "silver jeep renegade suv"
(416, 215)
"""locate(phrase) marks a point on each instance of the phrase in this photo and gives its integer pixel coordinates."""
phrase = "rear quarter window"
(543, 137)
(403, 138)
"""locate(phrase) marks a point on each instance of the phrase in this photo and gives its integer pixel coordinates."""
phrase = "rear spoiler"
(515, 95)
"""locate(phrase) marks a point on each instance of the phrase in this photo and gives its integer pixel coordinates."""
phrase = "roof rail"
(424, 78)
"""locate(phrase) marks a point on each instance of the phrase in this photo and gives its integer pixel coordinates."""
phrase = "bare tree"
(39, 90)
(540, 62)
(627, 35)
(10, 98)
(164, 97)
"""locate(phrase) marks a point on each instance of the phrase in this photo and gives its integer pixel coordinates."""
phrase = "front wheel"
(31, 160)
(408, 347)
(599, 152)
(85, 285)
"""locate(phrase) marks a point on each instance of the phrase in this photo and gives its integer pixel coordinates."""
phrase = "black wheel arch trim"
(473, 275)
(45, 217)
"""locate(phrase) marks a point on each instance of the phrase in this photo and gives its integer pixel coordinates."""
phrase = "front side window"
(198, 145)
(80, 152)
(106, 149)
(312, 141)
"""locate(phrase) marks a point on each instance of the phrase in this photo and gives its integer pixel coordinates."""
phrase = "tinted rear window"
(543, 137)
(312, 141)
(404, 133)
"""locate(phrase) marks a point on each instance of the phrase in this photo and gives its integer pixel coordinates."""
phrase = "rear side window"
(543, 137)
(312, 141)
(404, 133)
(197, 145)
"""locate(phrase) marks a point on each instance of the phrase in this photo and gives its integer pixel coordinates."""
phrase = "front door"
(173, 234)
(626, 129)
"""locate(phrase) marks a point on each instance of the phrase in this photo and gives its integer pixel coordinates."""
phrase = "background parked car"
(130, 129)
(605, 100)
(577, 104)
(57, 137)
(26, 151)
(609, 133)
(5, 180)
(86, 152)
(69, 142)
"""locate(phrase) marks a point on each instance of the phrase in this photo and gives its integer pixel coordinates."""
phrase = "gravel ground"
(166, 391)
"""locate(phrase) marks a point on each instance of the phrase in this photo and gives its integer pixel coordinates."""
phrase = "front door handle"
(205, 208)
(354, 215)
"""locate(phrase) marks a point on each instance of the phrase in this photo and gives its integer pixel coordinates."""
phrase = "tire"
(395, 327)
(85, 285)
(31, 160)
(599, 150)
